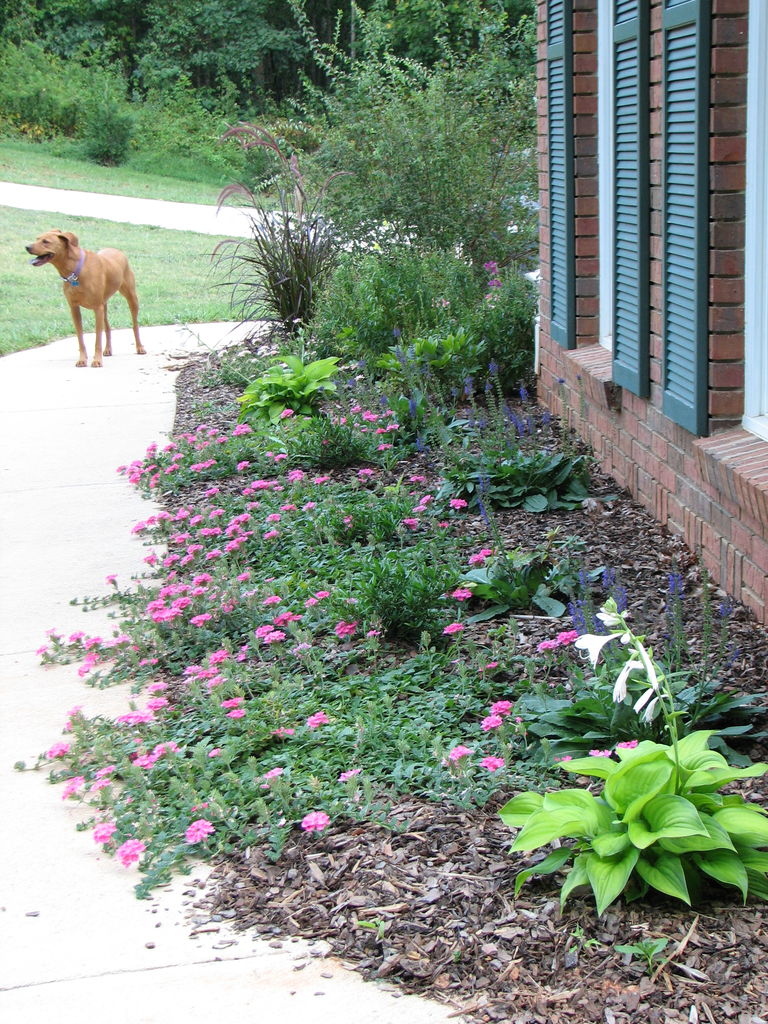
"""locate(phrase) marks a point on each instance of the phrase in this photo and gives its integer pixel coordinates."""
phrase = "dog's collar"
(74, 277)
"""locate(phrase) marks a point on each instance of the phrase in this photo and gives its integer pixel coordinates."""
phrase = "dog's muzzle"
(39, 261)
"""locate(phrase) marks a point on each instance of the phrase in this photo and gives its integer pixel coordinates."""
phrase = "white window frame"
(605, 168)
(756, 233)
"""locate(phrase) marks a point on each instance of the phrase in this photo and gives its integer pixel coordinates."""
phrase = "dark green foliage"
(404, 592)
(503, 321)
(108, 130)
(376, 301)
(537, 482)
(518, 580)
(332, 445)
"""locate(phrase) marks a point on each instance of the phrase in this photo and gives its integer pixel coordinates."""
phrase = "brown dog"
(90, 280)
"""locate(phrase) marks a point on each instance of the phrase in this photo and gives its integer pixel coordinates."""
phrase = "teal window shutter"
(561, 177)
(686, 211)
(631, 315)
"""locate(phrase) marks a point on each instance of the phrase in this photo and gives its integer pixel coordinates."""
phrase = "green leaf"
(608, 876)
(758, 884)
(549, 605)
(576, 877)
(716, 839)
(536, 503)
(666, 875)
(715, 778)
(694, 743)
(552, 862)
(598, 767)
(518, 810)
(594, 814)
(666, 817)
(746, 823)
(544, 826)
(608, 844)
(726, 867)
(636, 782)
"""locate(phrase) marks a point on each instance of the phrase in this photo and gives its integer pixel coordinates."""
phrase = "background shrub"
(373, 301)
(503, 321)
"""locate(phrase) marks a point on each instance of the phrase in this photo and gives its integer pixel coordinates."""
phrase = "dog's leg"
(77, 320)
(107, 333)
(128, 291)
(97, 354)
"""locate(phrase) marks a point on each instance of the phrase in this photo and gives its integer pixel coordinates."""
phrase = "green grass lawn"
(37, 164)
(176, 280)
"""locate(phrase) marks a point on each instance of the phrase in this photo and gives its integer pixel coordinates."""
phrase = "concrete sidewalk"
(229, 222)
(76, 944)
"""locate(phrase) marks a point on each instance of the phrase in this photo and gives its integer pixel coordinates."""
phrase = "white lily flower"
(610, 619)
(650, 711)
(593, 644)
(643, 700)
(620, 689)
(650, 668)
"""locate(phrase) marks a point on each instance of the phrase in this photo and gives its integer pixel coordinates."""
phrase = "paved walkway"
(229, 222)
(75, 944)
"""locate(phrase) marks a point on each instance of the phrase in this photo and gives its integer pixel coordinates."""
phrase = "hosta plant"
(537, 482)
(660, 822)
(287, 388)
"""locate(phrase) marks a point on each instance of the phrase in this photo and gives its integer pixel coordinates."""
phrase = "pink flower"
(600, 753)
(492, 763)
(345, 776)
(627, 745)
(455, 627)
(274, 599)
(233, 702)
(321, 594)
(411, 524)
(547, 645)
(274, 773)
(568, 636)
(103, 833)
(282, 733)
(458, 752)
(72, 786)
(271, 534)
(363, 473)
(215, 752)
(315, 822)
(342, 629)
(480, 557)
(130, 851)
(565, 757)
(501, 707)
(462, 594)
(237, 713)
(286, 413)
(198, 831)
(319, 718)
(111, 579)
(457, 503)
(491, 722)
(57, 750)
(276, 636)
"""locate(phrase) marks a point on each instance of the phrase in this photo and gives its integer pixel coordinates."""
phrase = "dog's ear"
(70, 239)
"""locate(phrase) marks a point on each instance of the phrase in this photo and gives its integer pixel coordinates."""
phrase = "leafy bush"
(444, 157)
(289, 387)
(660, 822)
(520, 579)
(405, 594)
(503, 321)
(291, 252)
(323, 442)
(536, 482)
(442, 358)
(40, 94)
(108, 129)
(381, 298)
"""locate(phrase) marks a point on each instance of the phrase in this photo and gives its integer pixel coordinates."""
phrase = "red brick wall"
(712, 491)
